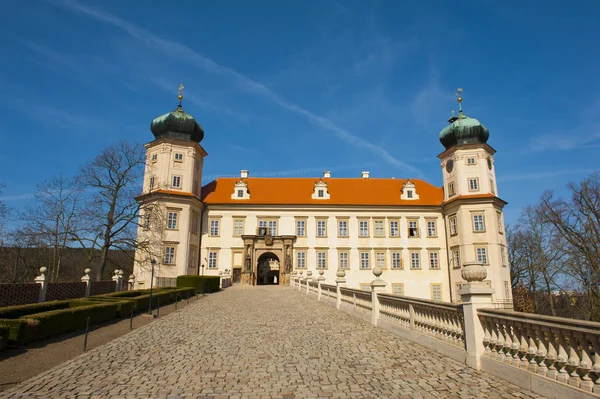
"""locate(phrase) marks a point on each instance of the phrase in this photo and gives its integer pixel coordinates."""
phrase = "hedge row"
(4, 333)
(14, 312)
(202, 284)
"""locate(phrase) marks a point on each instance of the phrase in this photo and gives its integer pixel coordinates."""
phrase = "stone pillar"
(340, 281)
(475, 295)
(300, 280)
(320, 279)
(115, 278)
(41, 280)
(88, 282)
(377, 285)
(131, 282)
(308, 275)
(120, 279)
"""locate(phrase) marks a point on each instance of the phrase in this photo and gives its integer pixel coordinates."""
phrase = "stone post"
(320, 279)
(340, 281)
(377, 285)
(475, 295)
(41, 280)
(308, 275)
(88, 282)
(115, 278)
(120, 279)
(131, 282)
(300, 280)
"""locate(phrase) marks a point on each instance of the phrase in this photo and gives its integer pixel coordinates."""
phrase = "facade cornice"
(323, 208)
(455, 148)
(473, 199)
(169, 195)
(183, 143)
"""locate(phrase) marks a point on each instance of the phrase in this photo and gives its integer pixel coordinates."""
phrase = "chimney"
(365, 175)
(244, 174)
(326, 174)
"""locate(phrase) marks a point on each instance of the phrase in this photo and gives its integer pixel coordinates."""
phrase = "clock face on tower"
(490, 163)
(449, 165)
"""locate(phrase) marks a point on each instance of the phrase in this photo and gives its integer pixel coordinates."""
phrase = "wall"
(19, 294)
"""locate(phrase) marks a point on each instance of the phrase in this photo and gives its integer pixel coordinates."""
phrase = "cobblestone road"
(263, 342)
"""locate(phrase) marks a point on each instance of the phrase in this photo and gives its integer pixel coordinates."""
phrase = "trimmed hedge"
(14, 312)
(124, 306)
(22, 331)
(65, 320)
(4, 333)
(205, 284)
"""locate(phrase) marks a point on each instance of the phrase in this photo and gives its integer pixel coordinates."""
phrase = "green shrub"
(65, 320)
(205, 284)
(124, 305)
(4, 333)
(22, 331)
(14, 312)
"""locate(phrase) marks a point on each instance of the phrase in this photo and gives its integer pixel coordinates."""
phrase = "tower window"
(481, 253)
(151, 182)
(478, 223)
(178, 157)
(473, 184)
(456, 258)
(471, 161)
(146, 222)
(453, 225)
(172, 220)
(154, 157)
(451, 191)
(492, 187)
(177, 181)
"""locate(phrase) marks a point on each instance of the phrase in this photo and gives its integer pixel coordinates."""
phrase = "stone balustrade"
(441, 320)
(561, 349)
(359, 299)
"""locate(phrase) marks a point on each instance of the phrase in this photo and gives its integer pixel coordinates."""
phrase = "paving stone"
(262, 342)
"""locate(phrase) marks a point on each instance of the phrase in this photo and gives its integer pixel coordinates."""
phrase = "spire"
(180, 96)
(458, 93)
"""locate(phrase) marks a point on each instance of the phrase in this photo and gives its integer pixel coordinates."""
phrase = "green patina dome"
(177, 125)
(463, 130)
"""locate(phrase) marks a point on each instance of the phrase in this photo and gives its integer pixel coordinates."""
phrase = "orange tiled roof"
(343, 191)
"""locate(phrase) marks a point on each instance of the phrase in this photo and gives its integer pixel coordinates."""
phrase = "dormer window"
(409, 191)
(178, 157)
(320, 191)
(240, 190)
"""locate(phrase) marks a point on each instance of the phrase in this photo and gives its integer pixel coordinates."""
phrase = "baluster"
(500, 341)
(585, 365)
(595, 340)
(487, 335)
(551, 354)
(523, 347)
(562, 358)
(515, 345)
(531, 348)
(507, 342)
(541, 351)
(573, 362)
(493, 339)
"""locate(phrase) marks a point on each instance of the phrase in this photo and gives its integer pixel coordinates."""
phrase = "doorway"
(237, 276)
(268, 269)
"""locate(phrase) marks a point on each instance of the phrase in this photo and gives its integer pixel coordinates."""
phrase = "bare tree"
(578, 222)
(112, 180)
(51, 221)
(3, 216)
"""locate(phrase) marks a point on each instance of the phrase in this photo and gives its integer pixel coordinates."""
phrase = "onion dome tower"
(177, 125)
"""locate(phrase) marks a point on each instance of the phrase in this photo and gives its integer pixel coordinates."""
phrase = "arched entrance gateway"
(268, 269)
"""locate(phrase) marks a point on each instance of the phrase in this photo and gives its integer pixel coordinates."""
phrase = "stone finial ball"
(132, 277)
(87, 271)
(473, 272)
(309, 273)
(321, 272)
(43, 269)
(377, 271)
(120, 272)
(340, 273)
(116, 271)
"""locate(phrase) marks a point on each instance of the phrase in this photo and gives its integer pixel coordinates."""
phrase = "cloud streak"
(180, 51)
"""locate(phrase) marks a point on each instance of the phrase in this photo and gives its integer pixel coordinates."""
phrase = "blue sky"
(292, 88)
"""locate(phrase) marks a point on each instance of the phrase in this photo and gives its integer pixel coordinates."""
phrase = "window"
(214, 228)
(178, 157)
(478, 223)
(380, 259)
(471, 161)
(434, 260)
(342, 228)
(492, 187)
(321, 260)
(506, 290)
(451, 190)
(473, 184)
(409, 194)
(172, 220)
(453, 225)
(301, 260)
(194, 223)
(396, 260)
(267, 227)
(436, 292)
(301, 228)
(176, 181)
(240, 193)
(273, 227)
(238, 227)
(146, 221)
(169, 256)
(321, 228)
(456, 258)
(321, 194)
(394, 229)
(379, 229)
(503, 255)
(363, 228)
(431, 228)
(343, 260)
(154, 157)
(413, 229)
(415, 262)
(500, 226)
(481, 253)
(151, 184)
(364, 260)
(212, 260)
(398, 289)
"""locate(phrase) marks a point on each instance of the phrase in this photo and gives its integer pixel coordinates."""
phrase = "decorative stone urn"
(473, 272)
(377, 271)
(340, 273)
(309, 273)
(321, 277)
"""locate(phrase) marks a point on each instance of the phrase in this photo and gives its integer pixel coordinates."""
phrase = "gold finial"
(458, 93)
(180, 96)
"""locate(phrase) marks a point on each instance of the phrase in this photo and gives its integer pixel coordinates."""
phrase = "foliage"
(4, 334)
(521, 299)
(202, 284)
(14, 312)
(22, 331)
